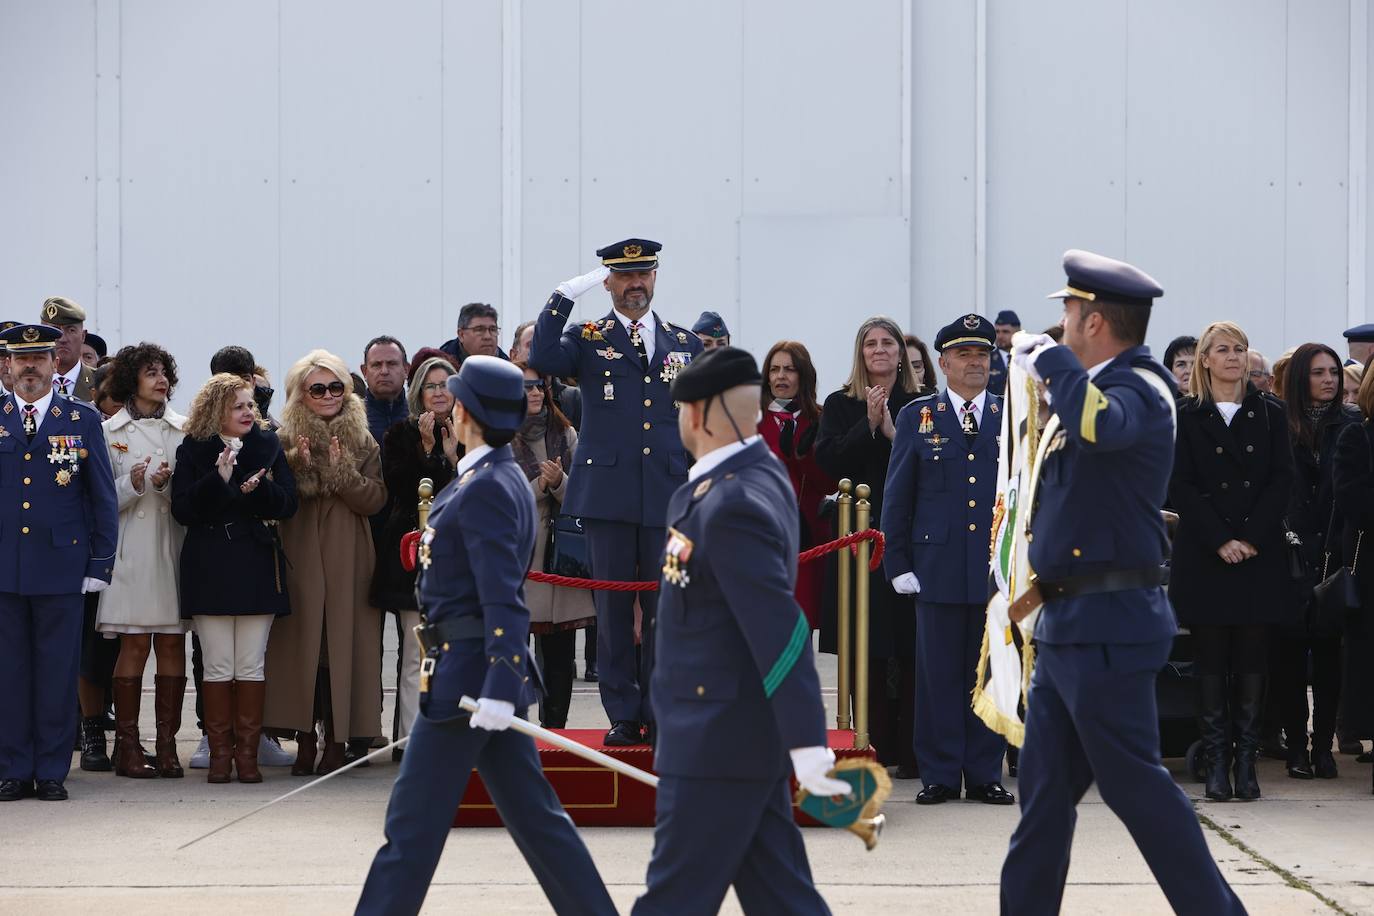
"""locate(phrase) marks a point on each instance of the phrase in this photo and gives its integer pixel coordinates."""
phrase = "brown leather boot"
(248, 699)
(129, 761)
(171, 690)
(219, 719)
(305, 754)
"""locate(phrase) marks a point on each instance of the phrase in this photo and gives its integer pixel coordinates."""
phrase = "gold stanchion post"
(426, 491)
(861, 580)
(842, 631)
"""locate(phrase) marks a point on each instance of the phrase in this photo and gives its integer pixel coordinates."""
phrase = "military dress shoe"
(1013, 760)
(1324, 765)
(591, 677)
(623, 733)
(15, 789)
(936, 794)
(1300, 766)
(990, 794)
(51, 790)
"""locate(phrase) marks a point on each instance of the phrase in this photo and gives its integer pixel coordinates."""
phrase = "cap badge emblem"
(31, 334)
(633, 251)
(971, 322)
(50, 311)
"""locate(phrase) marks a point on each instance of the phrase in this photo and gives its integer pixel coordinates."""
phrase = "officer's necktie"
(969, 424)
(62, 384)
(30, 420)
(638, 343)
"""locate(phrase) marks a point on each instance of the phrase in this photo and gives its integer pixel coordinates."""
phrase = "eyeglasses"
(531, 383)
(486, 330)
(433, 387)
(333, 389)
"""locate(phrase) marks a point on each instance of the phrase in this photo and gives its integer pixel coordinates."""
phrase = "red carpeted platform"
(596, 797)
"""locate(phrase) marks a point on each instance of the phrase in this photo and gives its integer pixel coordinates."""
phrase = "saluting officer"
(937, 519)
(58, 525)
(734, 667)
(473, 558)
(1097, 545)
(629, 458)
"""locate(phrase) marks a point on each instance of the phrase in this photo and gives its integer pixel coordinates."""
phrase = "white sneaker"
(270, 753)
(200, 760)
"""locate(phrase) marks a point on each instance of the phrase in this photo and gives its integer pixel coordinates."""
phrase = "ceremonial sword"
(469, 705)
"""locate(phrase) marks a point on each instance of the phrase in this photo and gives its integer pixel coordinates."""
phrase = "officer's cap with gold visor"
(631, 254)
(1095, 277)
(30, 338)
(966, 331)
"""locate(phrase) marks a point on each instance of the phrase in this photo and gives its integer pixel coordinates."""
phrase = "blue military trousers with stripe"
(40, 658)
(621, 552)
(952, 743)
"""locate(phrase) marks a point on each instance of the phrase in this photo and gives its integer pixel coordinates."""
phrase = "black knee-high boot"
(1247, 706)
(1216, 734)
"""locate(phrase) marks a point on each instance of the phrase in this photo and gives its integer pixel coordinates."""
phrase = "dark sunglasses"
(318, 391)
(533, 383)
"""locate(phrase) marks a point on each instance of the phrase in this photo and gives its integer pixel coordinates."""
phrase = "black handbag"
(566, 553)
(1337, 596)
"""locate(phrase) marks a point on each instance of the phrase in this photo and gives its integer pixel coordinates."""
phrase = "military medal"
(422, 552)
(927, 424)
(608, 392)
(590, 332)
(3, 432)
(120, 447)
(674, 363)
(64, 477)
(676, 553)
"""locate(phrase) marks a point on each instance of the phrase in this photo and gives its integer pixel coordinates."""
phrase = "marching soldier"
(58, 527)
(937, 519)
(629, 458)
(734, 667)
(1097, 544)
(473, 557)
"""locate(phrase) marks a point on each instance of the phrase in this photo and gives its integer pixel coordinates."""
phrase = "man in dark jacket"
(478, 334)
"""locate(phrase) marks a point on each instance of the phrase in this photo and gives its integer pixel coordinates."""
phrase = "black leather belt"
(1115, 581)
(435, 635)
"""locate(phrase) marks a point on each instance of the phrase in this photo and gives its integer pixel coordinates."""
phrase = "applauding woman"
(325, 662)
(230, 487)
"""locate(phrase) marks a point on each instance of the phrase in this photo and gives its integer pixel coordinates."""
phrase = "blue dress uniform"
(997, 373)
(1105, 629)
(734, 689)
(474, 556)
(59, 523)
(629, 459)
(937, 516)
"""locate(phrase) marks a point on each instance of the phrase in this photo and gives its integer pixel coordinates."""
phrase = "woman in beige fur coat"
(324, 661)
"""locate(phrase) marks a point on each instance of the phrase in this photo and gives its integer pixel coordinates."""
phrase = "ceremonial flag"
(1005, 661)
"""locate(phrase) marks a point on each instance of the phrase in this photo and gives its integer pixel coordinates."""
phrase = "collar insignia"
(76, 415)
(56, 411)
(701, 489)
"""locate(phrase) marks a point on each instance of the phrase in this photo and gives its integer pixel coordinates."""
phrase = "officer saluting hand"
(629, 458)
(735, 693)
(1097, 545)
(59, 522)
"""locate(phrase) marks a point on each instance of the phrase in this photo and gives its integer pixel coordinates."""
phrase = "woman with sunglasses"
(425, 445)
(543, 448)
(324, 661)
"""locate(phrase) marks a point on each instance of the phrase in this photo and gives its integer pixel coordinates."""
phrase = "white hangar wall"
(298, 173)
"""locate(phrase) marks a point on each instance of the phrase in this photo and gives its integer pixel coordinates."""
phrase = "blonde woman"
(230, 487)
(324, 662)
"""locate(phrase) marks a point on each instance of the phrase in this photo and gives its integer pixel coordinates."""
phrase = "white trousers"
(233, 647)
(408, 686)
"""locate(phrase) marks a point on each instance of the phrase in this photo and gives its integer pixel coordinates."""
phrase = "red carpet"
(596, 797)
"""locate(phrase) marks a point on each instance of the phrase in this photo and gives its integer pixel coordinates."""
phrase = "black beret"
(715, 371)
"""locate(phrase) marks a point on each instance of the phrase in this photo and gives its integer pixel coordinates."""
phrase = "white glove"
(1026, 349)
(906, 584)
(493, 715)
(90, 586)
(811, 764)
(579, 285)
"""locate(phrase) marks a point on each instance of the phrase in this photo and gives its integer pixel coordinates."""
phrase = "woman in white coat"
(141, 607)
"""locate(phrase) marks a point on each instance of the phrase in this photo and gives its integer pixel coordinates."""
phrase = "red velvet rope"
(410, 541)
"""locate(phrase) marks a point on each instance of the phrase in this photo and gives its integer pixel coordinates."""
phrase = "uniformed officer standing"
(1097, 543)
(473, 558)
(711, 330)
(735, 689)
(629, 458)
(1006, 324)
(71, 377)
(58, 525)
(937, 516)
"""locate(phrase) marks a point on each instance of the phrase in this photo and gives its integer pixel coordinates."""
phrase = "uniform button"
(1247, 483)
(25, 529)
(1249, 448)
(27, 481)
(937, 457)
(646, 451)
(648, 402)
(1218, 449)
(973, 480)
(589, 461)
(1249, 413)
(972, 504)
(608, 373)
(27, 456)
(972, 527)
(74, 544)
(970, 457)
(515, 658)
(647, 380)
(701, 691)
(646, 425)
(1225, 485)
(26, 505)
(1077, 552)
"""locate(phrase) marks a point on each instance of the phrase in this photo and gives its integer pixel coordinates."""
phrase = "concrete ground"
(1304, 848)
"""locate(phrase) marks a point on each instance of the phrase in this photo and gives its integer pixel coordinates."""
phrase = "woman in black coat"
(855, 441)
(230, 488)
(1316, 418)
(1353, 484)
(1233, 473)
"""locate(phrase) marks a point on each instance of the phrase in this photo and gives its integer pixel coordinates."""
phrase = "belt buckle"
(426, 672)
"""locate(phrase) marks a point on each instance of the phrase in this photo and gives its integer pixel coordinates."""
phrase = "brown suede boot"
(219, 719)
(305, 754)
(171, 691)
(129, 761)
(248, 699)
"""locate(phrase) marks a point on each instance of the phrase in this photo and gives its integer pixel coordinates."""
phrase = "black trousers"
(1295, 651)
(556, 653)
(1225, 650)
